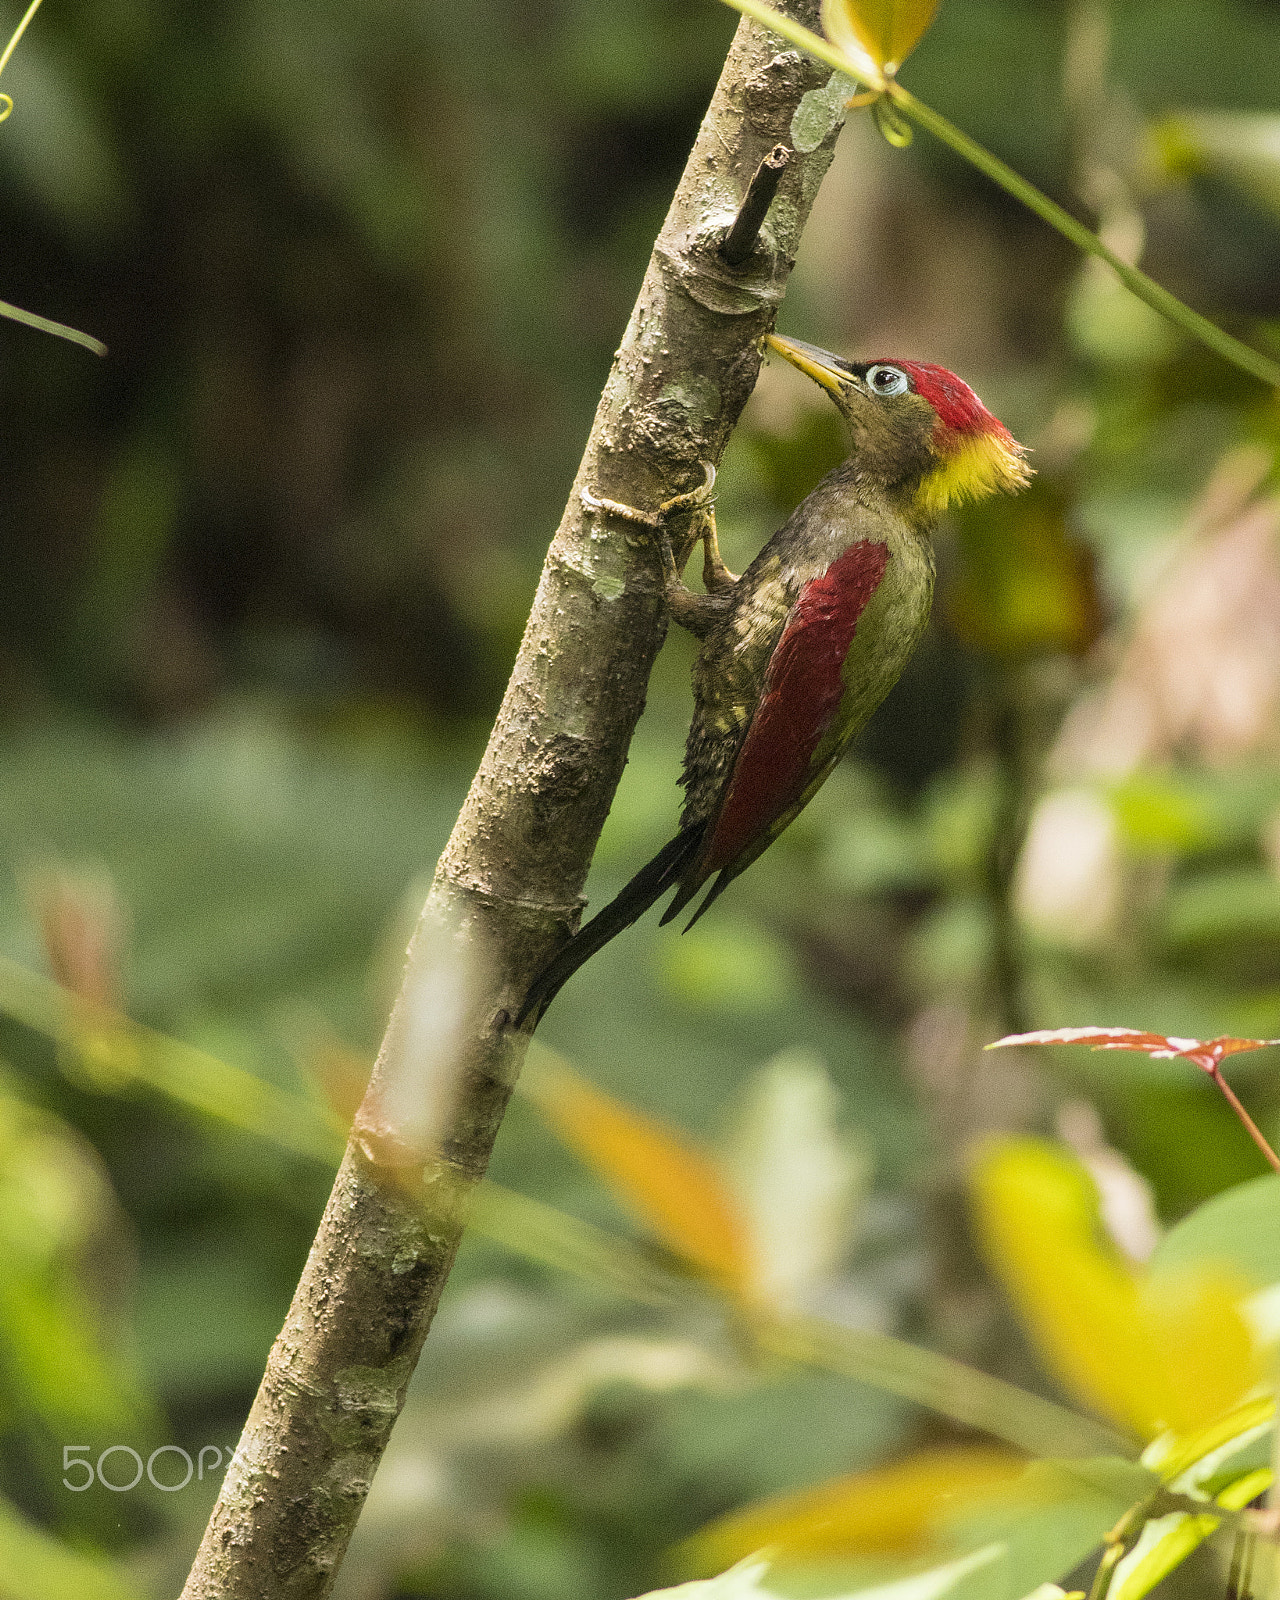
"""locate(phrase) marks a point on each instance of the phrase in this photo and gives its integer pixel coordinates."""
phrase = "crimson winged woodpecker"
(800, 650)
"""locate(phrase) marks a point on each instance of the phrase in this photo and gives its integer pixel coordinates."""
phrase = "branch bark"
(508, 886)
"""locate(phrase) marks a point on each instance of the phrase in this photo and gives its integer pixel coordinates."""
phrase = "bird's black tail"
(649, 884)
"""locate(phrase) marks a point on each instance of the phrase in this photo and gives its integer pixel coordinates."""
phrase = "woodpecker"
(799, 651)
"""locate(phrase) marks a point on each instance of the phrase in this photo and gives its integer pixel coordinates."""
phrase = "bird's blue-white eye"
(887, 380)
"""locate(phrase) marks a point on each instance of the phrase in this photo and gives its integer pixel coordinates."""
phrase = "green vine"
(890, 102)
(32, 319)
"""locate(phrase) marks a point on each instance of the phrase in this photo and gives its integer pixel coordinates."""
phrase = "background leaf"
(798, 1179)
(1238, 1229)
(665, 1179)
(1036, 1213)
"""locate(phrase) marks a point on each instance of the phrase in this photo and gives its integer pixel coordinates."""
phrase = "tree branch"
(508, 886)
(741, 238)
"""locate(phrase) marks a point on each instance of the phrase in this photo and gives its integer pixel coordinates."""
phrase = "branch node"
(741, 238)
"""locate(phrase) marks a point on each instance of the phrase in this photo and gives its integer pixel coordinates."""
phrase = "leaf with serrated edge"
(1159, 1046)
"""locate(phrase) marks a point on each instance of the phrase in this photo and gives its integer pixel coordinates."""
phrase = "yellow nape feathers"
(972, 466)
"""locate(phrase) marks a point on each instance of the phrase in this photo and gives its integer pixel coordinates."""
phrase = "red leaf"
(1206, 1053)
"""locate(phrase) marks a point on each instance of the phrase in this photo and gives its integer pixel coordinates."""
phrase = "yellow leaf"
(1164, 1543)
(1236, 1496)
(886, 1510)
(1173, 1455)
(669, 1183)
(885, 31)
(1206, 1348)
(1165, 1354)
(837, 24)
(1036, 1213)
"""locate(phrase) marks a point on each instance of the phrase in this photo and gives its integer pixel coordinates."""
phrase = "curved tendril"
(891, 125)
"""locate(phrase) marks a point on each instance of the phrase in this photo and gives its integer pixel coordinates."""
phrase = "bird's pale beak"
(820, 365)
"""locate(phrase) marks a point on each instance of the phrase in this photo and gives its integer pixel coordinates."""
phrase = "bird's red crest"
(976, 454)
(954, 401)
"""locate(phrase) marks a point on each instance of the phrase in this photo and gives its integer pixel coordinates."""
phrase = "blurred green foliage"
(362, 271)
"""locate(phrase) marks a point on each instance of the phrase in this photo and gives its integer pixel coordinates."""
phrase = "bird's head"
(917, 429)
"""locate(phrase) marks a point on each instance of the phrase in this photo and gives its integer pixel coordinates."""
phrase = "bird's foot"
(716, 577)
(691, 500)
(697, 612)
(698, 499)
(615, 508)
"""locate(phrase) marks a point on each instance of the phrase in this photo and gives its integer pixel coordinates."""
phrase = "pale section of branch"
(508, 886)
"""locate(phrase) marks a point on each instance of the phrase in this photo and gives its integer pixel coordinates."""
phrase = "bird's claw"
(615, 508)
(695, 612)
(690, 500)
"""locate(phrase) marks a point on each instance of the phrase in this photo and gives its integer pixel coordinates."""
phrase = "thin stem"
(45, 325)
(795, 33)
(1146, 289)
(15, 313)
(17, 33)
(1251, 1127)
(1116, 1542)
(964, 1394)
(114, 1052)
(1106, 1571)
(1240, 1578)
(553, 1238)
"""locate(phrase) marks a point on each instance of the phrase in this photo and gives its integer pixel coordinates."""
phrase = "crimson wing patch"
(803, 689)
